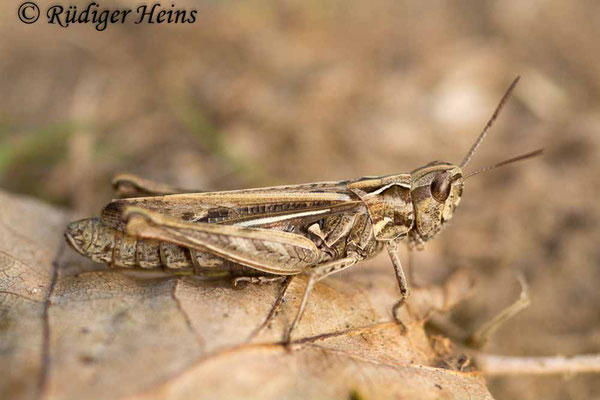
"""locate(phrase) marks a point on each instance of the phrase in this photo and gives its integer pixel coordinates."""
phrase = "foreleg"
(392, 248)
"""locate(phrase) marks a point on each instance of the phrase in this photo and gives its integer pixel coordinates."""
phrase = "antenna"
(522, 157)
(490, 123)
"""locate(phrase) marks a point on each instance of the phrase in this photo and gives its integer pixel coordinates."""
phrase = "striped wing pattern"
(238, 206)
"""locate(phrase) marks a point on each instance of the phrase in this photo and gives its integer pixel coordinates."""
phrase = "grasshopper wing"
(270, 251)
(238, 205)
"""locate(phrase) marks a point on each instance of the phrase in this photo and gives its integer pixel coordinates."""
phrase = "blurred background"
(257, 94)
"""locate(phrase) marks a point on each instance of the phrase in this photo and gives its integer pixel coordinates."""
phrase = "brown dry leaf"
(67, 332)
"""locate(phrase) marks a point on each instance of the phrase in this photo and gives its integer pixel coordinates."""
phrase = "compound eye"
(440, 187)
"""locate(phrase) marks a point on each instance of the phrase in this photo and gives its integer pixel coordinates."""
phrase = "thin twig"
(490, 364)
(482, 335)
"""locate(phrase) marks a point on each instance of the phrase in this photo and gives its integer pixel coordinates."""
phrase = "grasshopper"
(272, 234)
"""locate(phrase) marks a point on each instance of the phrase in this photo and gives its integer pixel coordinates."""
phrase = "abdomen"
(103, 244)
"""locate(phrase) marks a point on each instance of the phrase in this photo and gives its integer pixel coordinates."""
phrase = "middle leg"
(315, 274)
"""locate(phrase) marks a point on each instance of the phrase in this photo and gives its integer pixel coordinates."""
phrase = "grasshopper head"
(436, 189)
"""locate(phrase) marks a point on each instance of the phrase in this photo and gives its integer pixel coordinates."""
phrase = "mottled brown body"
(348, 229)
(317, 228)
